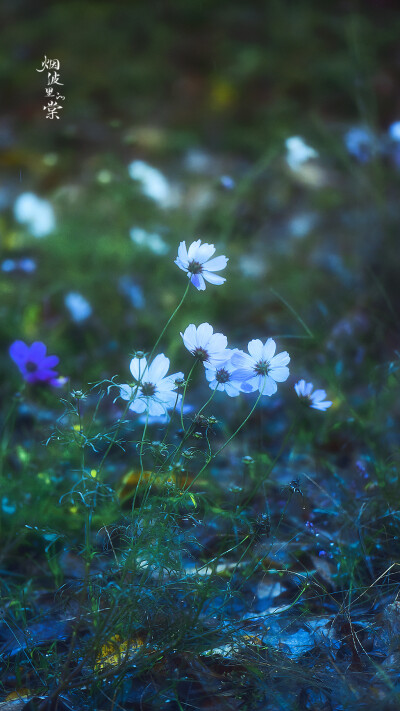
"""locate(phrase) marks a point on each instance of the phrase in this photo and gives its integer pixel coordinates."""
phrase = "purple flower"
(34, 364)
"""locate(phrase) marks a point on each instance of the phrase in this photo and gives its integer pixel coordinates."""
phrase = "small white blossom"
(261, 369)
(151, 240)
(298, 152)
(315, 399)
(154, 184)
(37, 214)
(78, 306)
(153, 391)
(221, 377)
(197, 263)
(204, 344)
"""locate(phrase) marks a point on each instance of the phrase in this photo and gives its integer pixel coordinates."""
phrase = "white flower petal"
(308, 389)
(168, 383)
(240, 359)
(279, 360)
(243, 374)
(182, 254)
(198, 281)
(192, 251)
(190, 337)
(268, 349)
(279, 374)
(255, 348)
(321, 405)
(155, 407)
(138, 405)
(318, 395)
(216, 346)
(249, 385)
(158, 368)
(125, 392)
(216, 264)
(210, 373)
(138, 367)
(267, 387)
(180, 264)
(231, 389)
(204, 252)
(299, 387)
(204, 334)
(213, 278)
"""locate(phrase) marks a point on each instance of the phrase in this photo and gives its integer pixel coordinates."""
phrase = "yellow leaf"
(115, 650)
(22, 693)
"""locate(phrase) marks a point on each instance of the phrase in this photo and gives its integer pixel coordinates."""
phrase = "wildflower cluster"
(233, 371)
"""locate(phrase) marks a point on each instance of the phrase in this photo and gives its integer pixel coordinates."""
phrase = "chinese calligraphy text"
(52, 107)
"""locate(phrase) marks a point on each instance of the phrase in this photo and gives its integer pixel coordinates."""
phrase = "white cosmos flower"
(220, 376)
(298, 152)
(204, 344)
(153, 392)
(314, 399)
(153, 182)
(261, 369)
(197, 263)
(36, 213)
(151, 240)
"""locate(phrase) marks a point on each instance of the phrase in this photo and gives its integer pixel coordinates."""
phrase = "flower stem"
(141, 461)
(184, 392)
(169, 321)
(212, 456)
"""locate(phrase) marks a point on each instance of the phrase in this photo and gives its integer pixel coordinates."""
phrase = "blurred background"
(269, 129)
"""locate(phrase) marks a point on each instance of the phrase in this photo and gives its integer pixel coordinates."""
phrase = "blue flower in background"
(34, 364)
(78, 307)
(360, 143)
(394, 131)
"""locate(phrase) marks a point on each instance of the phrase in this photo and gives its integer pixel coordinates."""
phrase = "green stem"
(271, 466)
(210, 458)
(184, 392)
(141, 461)
(169, 321)
(121, 420)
